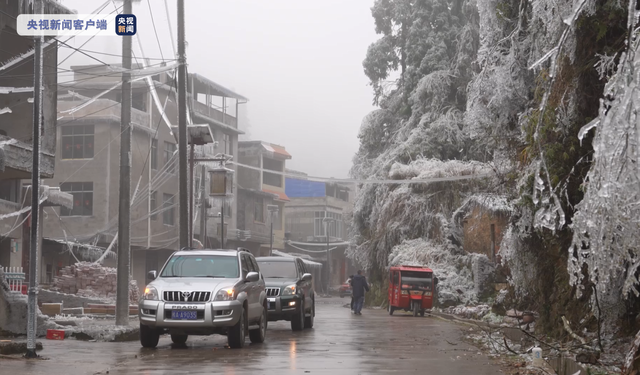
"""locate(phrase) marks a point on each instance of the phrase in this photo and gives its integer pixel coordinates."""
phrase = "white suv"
(204, 292)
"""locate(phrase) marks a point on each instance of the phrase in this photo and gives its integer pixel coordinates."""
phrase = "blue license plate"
(184, 315)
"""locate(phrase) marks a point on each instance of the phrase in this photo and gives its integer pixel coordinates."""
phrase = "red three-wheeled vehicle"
(411, 288)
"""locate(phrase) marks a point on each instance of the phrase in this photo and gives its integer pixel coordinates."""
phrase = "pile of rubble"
(92, 280)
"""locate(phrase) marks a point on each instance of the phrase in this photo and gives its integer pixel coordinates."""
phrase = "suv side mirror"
(306, 277)
(252, 277)
(152, 275)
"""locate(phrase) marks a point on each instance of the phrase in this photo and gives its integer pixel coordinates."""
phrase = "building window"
(169, 149)
(137, 100)
(168, 215)
(272, 179)
(153, 205)
(10, 190)
(335, 225)
(77, 142)
(154, 154)
(82, 198)
(258, 210)
(318, 227)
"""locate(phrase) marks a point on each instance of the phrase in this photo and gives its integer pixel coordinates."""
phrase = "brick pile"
(92, 280)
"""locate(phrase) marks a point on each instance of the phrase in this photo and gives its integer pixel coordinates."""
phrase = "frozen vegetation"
(536, 98)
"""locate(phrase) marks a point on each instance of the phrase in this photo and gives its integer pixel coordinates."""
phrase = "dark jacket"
(359, 286)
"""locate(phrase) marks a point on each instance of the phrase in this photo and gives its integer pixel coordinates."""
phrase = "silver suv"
(204, 292)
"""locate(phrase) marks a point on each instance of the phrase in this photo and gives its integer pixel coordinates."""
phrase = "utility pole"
(203, 208)
(222, 225)
(192, 192)
(35, 192)
(271, 237)
(124, 209)
(326, 233)
(273, 209)
(182, 130)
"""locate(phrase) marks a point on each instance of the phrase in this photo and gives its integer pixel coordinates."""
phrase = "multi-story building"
(87, 164)
(16, 128)
(261, 196)
(317, 214)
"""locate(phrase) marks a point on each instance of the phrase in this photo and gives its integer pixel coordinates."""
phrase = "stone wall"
(92, 281)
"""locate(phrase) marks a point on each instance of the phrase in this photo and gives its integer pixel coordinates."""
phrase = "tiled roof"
(281, 195)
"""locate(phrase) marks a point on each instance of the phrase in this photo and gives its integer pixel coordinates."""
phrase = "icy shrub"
(606, 227)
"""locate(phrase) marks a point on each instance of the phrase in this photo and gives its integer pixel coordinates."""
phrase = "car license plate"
(183, 315)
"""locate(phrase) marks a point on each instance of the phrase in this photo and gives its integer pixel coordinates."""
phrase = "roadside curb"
(512, 333)
(16, 347)
(105, 334)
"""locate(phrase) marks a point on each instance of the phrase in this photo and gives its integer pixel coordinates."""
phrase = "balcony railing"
(101, 108)
(215, 114)
(14, 276)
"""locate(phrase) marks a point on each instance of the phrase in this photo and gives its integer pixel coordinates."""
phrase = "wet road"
(339, 343)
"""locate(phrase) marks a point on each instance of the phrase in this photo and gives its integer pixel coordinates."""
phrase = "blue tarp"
(295, 188)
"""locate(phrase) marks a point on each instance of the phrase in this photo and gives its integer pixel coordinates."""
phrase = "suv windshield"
(414, 279)
(202, 266)
(278, 269)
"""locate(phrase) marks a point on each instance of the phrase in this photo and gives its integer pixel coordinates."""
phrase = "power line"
(116, 55)
(371, 181)
(153, 22)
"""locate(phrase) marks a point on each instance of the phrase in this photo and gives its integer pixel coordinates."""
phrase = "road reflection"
(292, 354)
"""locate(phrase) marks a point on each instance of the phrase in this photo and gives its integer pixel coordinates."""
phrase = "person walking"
(359, 286)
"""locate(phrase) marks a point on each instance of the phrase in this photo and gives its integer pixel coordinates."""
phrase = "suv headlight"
(151, 293)
(225, 294)
(289, 290)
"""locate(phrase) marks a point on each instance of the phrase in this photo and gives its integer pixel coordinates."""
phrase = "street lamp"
(326, 221)
(222, 188)
(273, 209)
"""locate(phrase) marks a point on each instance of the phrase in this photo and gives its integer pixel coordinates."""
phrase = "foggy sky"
(298, 61)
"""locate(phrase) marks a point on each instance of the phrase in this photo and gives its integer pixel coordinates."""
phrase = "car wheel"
(258, 335)
(416, 309)
(308, 321)
(297, 321)
(422, 312)
(390, 309)
(179, 339)
(149, 337)
(237, 334)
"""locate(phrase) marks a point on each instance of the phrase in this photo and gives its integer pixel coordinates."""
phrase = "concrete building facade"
(87, 165)
(16, 129)
(261, 186)
(307, 231)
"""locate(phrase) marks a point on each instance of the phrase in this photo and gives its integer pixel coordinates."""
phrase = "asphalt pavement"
(339, 343)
